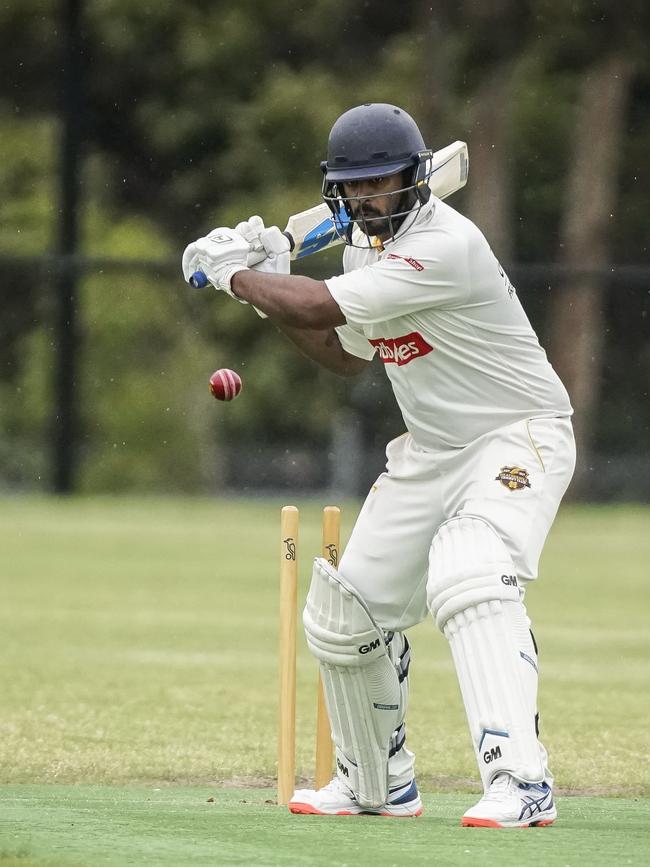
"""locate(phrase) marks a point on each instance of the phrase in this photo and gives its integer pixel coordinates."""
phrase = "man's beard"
(374, 223)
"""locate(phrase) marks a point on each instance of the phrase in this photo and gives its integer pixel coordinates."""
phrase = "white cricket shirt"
(437, 307)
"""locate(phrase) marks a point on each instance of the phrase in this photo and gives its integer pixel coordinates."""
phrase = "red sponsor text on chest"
(401, 350)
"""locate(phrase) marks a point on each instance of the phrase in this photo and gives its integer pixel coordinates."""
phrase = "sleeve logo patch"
(513, 478)
(412, 262)
(401, 350)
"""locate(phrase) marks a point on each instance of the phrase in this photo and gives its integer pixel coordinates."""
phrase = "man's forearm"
(295, 301)
(324, 348)
(305, 311)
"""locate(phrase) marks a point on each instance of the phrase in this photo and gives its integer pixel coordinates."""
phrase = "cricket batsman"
(457, 522)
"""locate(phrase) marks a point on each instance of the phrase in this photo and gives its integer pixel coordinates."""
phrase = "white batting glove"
(250, 229)
(219, 255)
(270, 241)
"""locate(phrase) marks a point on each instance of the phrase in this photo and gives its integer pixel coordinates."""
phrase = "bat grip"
(198, 280)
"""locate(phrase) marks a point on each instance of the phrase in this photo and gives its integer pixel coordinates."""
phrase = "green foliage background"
(202, 113)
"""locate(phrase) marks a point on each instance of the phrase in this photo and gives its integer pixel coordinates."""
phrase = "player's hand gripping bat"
(314, 229)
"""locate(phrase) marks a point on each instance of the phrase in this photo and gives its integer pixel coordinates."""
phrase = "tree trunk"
(486, 120)
(577, 319)
(489, 192)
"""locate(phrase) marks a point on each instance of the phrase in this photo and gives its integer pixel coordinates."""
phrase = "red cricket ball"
(225, 384)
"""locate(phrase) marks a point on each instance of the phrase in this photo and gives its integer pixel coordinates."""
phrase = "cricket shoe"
(336, 799)
(511, 804)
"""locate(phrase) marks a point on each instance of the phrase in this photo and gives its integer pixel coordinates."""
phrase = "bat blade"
(314, 230)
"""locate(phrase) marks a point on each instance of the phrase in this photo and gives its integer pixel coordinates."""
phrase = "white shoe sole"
(540, 821)
(397, 812)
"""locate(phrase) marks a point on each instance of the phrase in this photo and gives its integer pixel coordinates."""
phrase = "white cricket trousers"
(513, 477)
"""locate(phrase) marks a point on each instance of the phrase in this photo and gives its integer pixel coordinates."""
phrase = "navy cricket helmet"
(375, 140)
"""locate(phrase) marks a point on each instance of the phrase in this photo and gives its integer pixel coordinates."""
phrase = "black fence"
(53, 429)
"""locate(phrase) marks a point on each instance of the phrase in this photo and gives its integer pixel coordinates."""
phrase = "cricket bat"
(315, 229)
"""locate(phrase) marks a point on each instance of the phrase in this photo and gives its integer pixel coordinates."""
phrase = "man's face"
(376, 210)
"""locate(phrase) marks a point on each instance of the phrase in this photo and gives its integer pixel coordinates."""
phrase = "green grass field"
(138, 697)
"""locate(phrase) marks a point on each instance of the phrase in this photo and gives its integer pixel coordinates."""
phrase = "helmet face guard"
(402, 201)
(375, 140)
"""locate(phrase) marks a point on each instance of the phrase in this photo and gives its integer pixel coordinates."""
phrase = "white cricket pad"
(473, 595)
(360, 681)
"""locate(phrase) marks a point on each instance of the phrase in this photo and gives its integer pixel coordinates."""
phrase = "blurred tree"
(495, 40)
(603, 47)
(205, 103)
(27, 179)
(577, 314)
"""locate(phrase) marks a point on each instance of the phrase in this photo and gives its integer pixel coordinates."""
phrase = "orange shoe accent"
(299, 809)
(308, 810)
(479, 823)
(490, 823)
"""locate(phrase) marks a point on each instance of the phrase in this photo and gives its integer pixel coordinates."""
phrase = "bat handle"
(198, 280)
